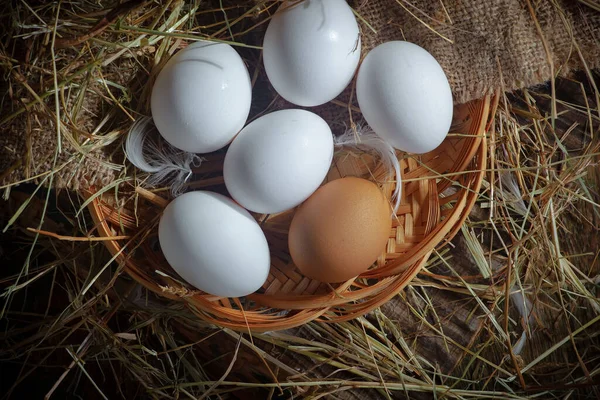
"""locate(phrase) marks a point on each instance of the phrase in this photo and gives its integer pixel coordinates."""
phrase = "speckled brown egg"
(339, 232)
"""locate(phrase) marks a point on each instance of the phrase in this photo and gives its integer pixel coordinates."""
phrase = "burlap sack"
(27, 155)
(482, 46)
(491, 44)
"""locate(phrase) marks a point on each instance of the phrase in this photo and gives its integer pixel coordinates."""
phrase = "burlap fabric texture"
(482, 46)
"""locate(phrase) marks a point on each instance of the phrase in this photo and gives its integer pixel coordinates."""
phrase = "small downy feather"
(368, 141)
(150, 153)
(524, 306)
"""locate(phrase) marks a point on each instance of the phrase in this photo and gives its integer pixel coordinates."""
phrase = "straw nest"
(439, 191)
(524, 264)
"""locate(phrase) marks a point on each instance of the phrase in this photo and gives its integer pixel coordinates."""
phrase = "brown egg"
(339, 232)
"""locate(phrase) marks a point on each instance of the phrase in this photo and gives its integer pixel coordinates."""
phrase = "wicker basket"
(439, 190)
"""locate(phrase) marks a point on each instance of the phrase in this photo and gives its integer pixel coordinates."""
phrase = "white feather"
(512, 193)
(146, 150)
(367, 140)
(524, 306)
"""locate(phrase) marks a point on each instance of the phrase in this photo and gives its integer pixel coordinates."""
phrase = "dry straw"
(74, 322)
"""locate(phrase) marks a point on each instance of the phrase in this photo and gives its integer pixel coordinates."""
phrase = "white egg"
(214, 244)
(311, 50)
(405, 96)
(278, 160)
(201, 98)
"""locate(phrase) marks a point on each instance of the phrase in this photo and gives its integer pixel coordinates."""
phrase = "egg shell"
(201, 98)
(214, 244)
(405, 96)
(278, 160)
(311, 50)
(339, 232)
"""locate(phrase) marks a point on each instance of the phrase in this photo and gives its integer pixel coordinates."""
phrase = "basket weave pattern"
(439, 189)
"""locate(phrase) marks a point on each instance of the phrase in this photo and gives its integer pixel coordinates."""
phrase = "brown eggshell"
(339, 232)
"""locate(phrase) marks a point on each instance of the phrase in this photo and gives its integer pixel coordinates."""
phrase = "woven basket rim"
(283, 311)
